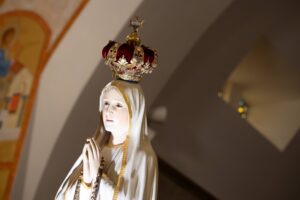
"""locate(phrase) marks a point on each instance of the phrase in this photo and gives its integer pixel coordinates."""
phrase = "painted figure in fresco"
(5, 64)
(119, 161)
(15, 81)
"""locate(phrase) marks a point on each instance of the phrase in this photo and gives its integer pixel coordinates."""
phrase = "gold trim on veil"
(102, 137)
(125, 147)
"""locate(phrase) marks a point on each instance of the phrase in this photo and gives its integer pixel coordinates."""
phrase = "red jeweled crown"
(130, 60)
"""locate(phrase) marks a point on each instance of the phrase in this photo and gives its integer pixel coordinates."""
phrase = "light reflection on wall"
(270, 87)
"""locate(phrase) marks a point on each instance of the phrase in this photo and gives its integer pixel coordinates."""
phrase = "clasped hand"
(91, 160)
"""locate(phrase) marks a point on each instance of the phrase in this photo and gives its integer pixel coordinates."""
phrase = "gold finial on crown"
(134, 37)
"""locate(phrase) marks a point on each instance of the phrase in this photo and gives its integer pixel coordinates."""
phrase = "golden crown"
(130, 60)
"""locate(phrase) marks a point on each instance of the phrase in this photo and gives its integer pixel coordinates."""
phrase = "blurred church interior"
(223, 104)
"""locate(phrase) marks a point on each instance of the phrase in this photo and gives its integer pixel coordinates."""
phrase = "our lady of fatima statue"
(118, 162)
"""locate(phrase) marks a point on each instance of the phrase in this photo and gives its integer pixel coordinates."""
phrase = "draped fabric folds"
(130, 171)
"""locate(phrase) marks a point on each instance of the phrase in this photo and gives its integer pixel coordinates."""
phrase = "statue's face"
(115, 114)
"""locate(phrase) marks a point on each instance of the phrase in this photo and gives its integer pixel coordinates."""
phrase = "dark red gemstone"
(125, 50)
(105, 50)
(148, 54)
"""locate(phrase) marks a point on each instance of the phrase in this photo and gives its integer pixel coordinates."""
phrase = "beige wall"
(270, 85)
(203, 136)
(65, 76)
(66, 108)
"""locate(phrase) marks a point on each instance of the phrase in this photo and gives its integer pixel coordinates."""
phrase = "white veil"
(138, 175)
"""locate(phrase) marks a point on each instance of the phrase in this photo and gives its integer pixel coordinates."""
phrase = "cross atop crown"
(136, 23)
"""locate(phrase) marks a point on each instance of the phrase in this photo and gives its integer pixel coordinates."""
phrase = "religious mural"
(27, 39)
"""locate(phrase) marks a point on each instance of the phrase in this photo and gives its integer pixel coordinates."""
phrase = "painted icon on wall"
(23, 38)
(27, 40)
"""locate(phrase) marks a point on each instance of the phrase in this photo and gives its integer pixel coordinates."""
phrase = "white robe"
(144, 180)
